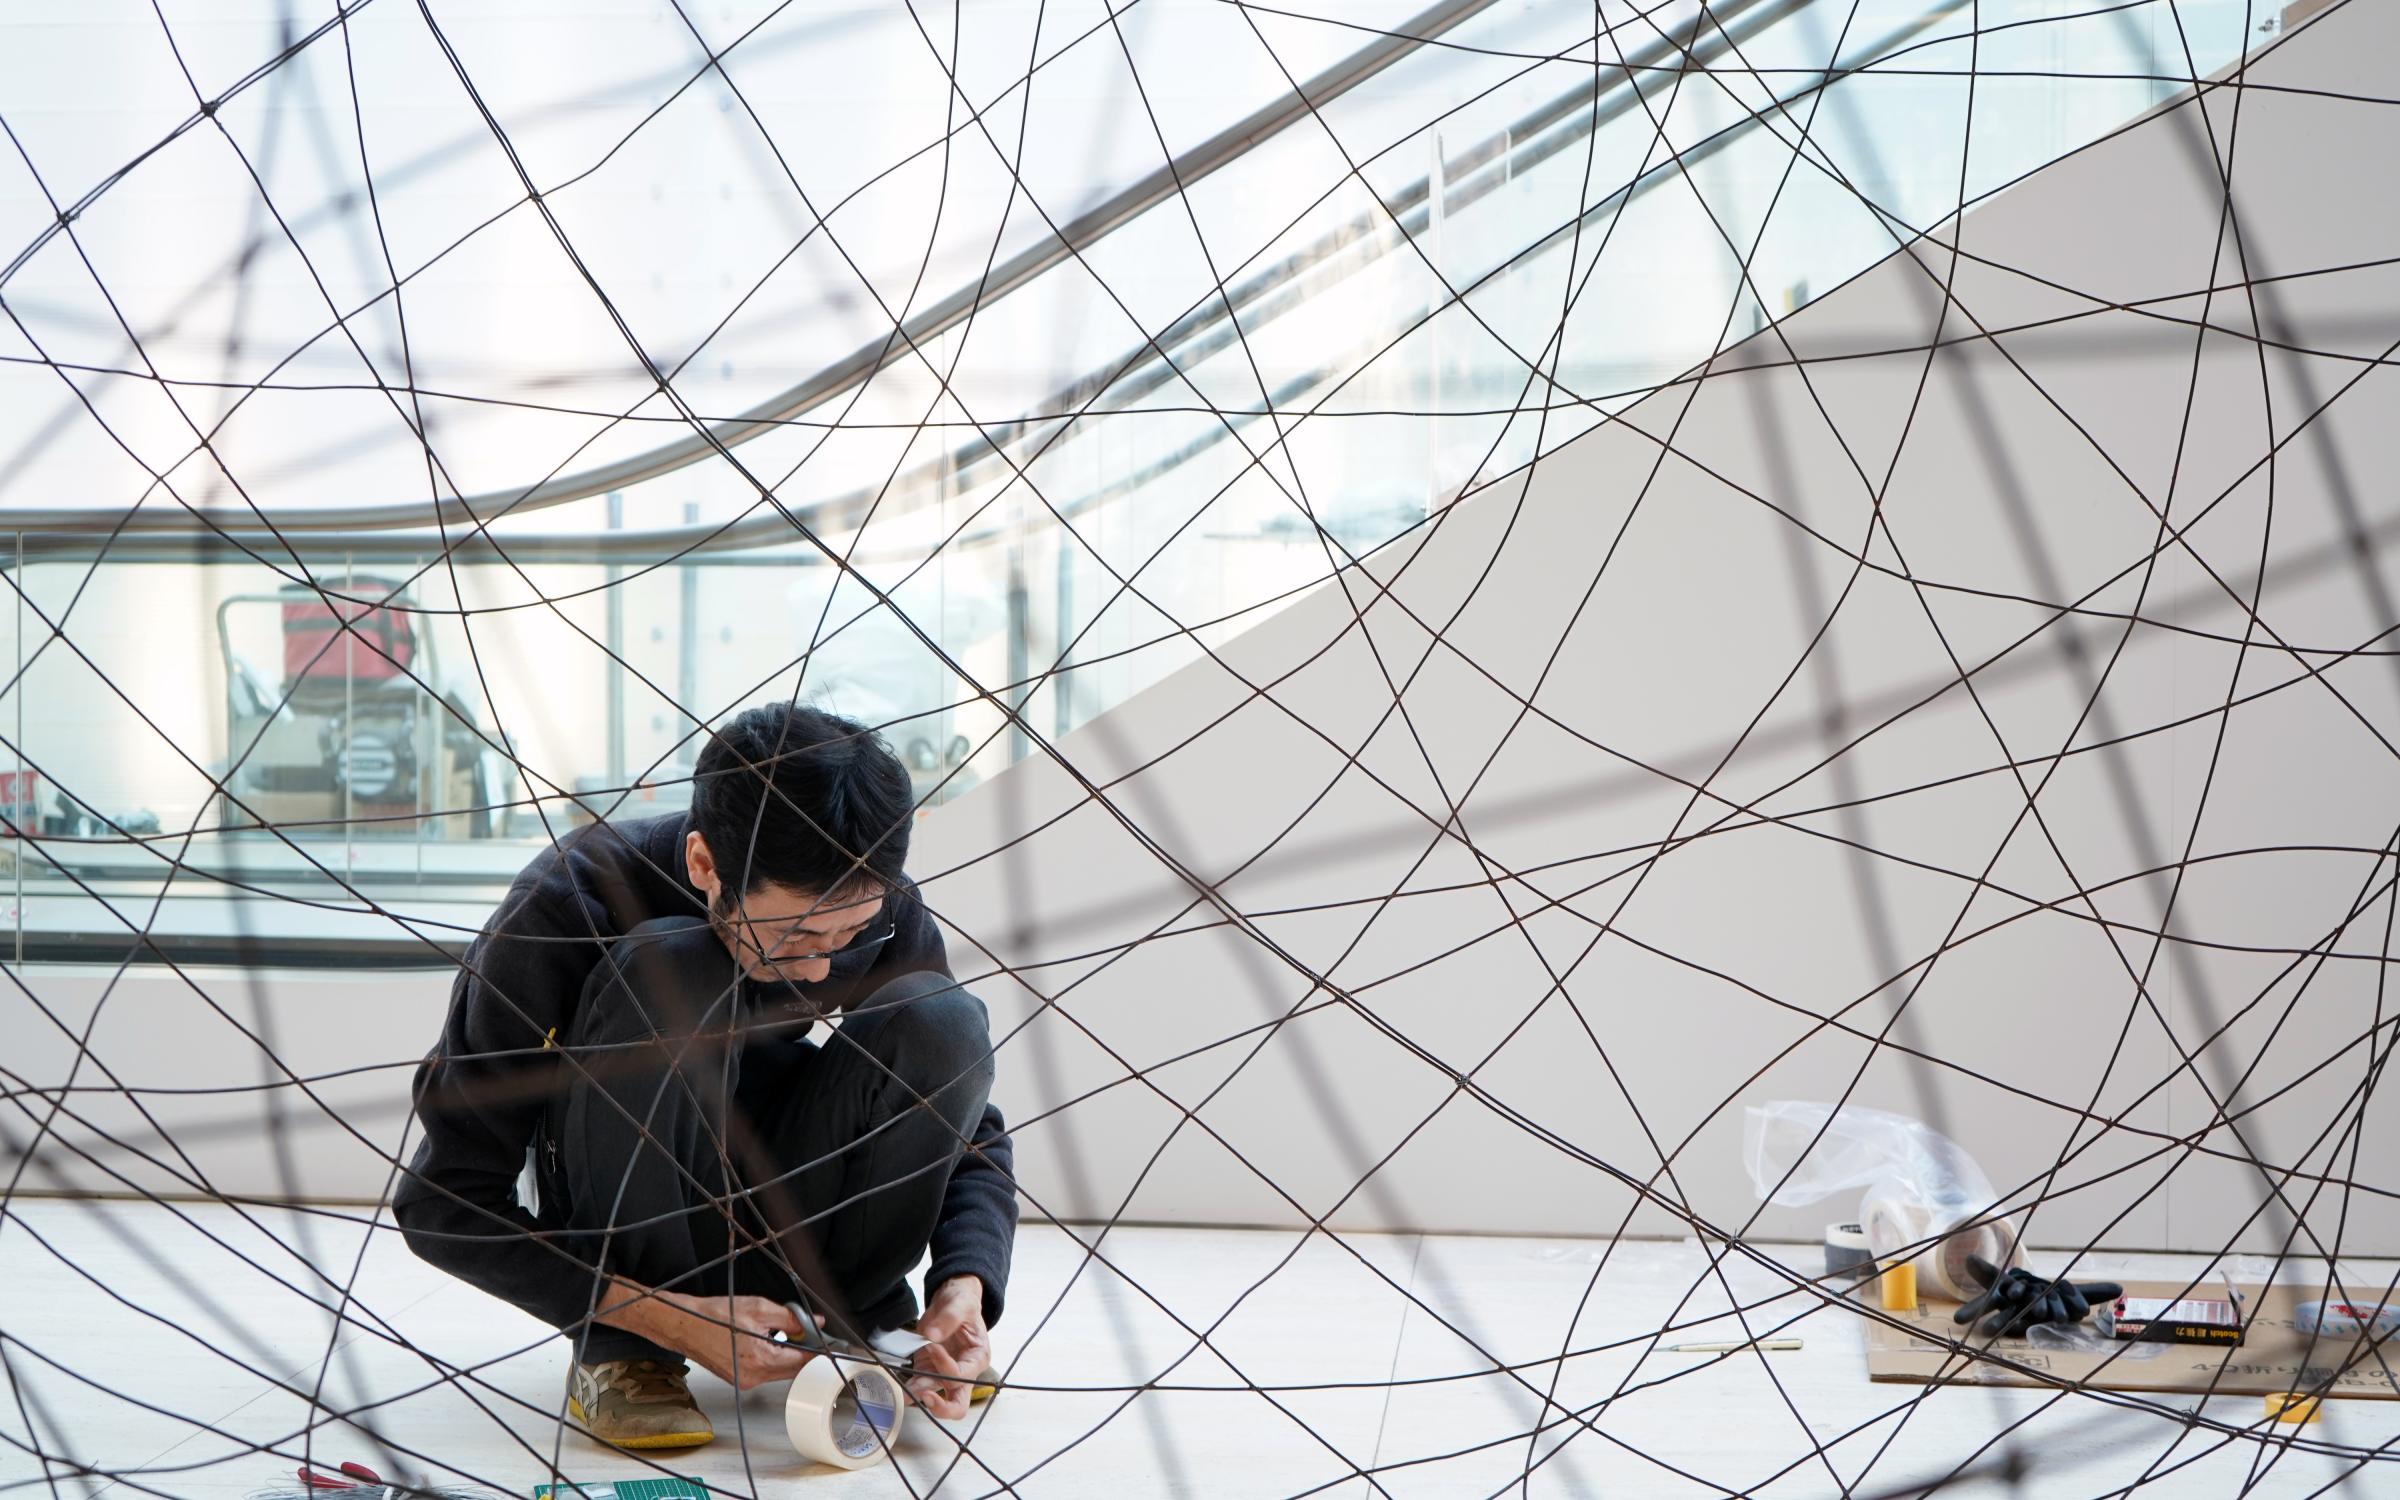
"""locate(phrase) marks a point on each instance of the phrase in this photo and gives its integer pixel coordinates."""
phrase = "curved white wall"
(2049, 439)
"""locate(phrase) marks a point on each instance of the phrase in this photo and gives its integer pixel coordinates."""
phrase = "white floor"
(176, 1350)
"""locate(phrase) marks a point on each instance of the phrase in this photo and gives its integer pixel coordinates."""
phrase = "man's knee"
(933, 1035)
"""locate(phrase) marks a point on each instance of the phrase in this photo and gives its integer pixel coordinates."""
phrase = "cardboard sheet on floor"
(2274, 1357)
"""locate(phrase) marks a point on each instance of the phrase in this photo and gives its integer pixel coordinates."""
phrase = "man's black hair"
(801, 798)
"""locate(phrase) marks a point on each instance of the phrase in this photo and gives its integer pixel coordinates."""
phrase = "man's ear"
(700, 864)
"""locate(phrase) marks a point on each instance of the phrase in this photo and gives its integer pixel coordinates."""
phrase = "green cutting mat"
(624, 1489)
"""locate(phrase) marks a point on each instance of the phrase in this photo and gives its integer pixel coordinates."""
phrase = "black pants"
(705, 1149)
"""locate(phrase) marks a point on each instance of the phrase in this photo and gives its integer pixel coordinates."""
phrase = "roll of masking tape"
(844, 1411)
(1942, 1241)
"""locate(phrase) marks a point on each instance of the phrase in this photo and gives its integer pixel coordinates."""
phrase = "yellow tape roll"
(1899, 1287)
(2292, 1408)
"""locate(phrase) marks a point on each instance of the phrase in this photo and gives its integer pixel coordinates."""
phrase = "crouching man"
(638, 1015)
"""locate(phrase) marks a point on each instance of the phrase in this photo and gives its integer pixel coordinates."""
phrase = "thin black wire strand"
(2254, 622)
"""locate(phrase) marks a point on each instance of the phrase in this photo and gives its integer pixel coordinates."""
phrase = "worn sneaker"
(638, 1403)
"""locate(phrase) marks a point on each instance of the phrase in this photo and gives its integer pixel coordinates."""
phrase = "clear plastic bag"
(1922, 1190)
(2094, 1338)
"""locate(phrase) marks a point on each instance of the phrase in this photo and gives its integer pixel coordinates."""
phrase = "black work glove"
(2015, 1300)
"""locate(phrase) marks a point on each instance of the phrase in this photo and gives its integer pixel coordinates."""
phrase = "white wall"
(140, 1115)
(2035, 465)
(1723, 954)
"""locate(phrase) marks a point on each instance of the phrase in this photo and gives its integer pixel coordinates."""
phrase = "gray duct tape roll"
(1848, 1256)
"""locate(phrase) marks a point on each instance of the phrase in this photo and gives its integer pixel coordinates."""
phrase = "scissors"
(359, 1477)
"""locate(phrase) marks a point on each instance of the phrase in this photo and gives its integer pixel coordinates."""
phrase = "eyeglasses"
(769, 947)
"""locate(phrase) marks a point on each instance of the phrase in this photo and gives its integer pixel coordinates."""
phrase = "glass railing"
(251, 743)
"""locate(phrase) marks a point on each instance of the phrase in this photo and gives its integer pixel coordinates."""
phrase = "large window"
(405, 456)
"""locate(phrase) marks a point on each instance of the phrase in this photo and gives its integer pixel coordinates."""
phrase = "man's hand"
(958, 1347)
(733, 1338)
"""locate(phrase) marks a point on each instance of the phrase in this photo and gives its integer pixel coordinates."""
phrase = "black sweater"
(481, 1092)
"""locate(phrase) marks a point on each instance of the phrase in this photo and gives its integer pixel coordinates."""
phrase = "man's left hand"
(958, 1347)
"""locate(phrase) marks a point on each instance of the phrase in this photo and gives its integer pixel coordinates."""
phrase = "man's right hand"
(733, 1338)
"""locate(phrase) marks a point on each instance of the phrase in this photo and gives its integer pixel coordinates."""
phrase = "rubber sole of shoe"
(654, 1440)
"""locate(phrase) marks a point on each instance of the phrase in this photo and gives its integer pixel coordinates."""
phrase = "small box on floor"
(2187, 1320)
